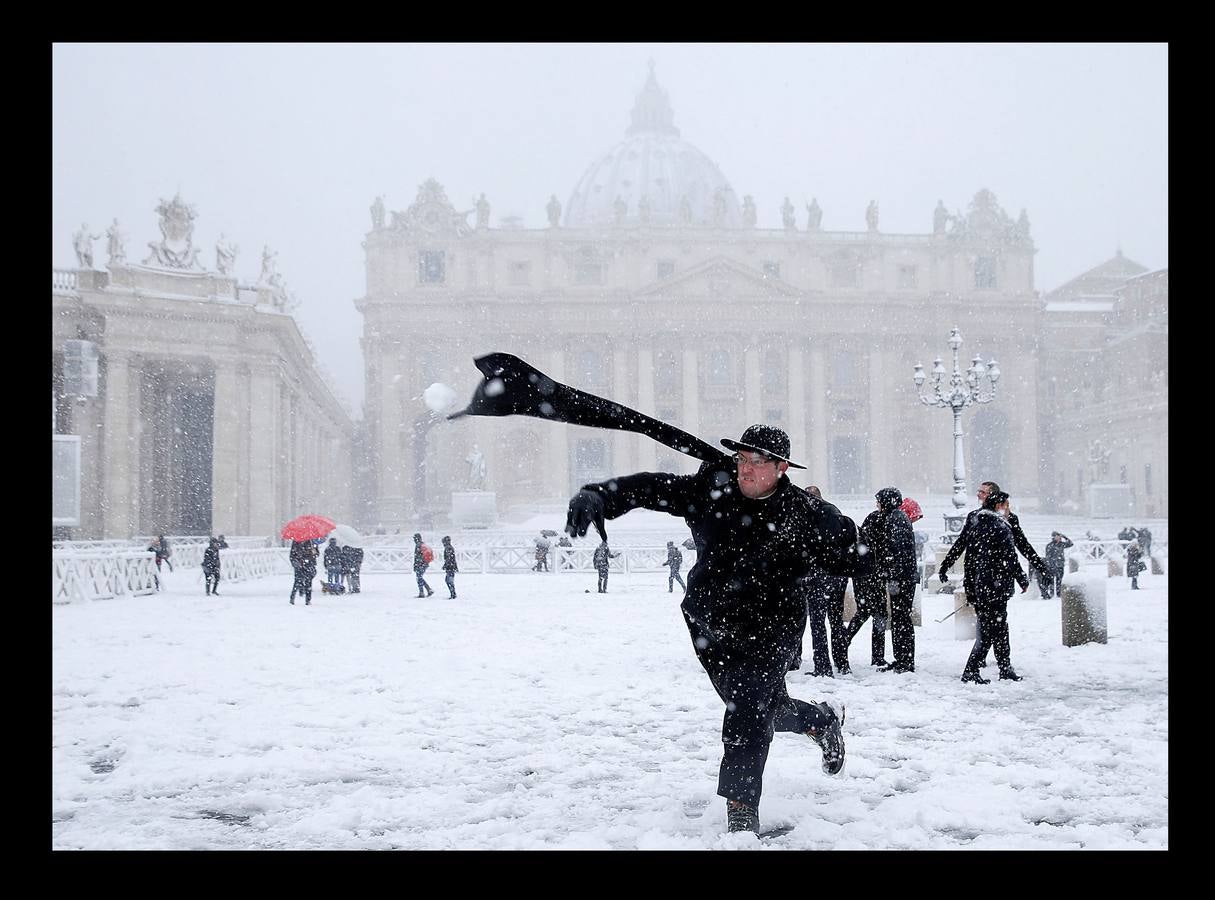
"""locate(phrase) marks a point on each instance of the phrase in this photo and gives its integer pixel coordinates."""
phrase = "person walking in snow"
(449, 566)
(757, 535)
(210, 566)
(824, 606)
(1055, 564)
(601, 559)
(1134, 563)
(163, 551)
(303, 563)
(990, 568)
(674, 561)
(333, 566)
(422, 556)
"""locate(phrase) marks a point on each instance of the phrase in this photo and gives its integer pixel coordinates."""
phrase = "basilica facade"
(653, 285)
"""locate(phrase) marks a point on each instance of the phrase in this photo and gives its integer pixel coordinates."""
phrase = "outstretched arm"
(674, 494)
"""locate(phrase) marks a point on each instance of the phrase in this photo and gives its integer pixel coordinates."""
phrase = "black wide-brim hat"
(764, 439)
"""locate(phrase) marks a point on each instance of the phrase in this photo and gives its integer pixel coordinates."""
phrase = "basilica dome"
(653, 176)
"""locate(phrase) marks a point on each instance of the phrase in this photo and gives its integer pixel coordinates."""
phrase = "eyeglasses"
(758, 459)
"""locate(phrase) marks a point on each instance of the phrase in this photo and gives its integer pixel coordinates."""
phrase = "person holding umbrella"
(303, 562)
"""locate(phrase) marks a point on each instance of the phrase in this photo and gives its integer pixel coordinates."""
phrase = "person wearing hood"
(333, 565)
(449, 566)
(603, 553)
(303, 563)
(757, 536)
(674, 561)
(991, 567)
(1055, 564)
(890, 540)
(210, 566)
(420, 565)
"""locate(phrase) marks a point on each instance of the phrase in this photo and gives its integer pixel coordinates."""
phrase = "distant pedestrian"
(423, 556)
(1134, 563)
(303, 562)
(600, 559)
(674, 561)
(347, 558)
(163, 551)
(210, 566)
(888, 534)
(542, 548)
(333, 567)
(449, 566)
(1145, 541)
(355, 569)
(565, 542)
(1049, 583)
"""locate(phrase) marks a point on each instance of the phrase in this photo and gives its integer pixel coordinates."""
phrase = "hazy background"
(288, 145)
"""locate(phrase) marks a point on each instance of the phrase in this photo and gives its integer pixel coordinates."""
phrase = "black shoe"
(215, 593)
(830, 738)
(897, 667)
(307, 603)
(879, 662)
(740, 817)
(820, 674)
(430, 593)
(975, 678)
(421, 596)
(845, 669)
(292, 601)
(795, 665)
(1010, 675)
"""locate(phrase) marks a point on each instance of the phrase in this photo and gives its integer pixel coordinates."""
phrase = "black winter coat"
(751, 554)
(449, 559)
(303, 559)
(991, 558)
(1054, 555)
(210, 560)
(1020, 542)
(891, 539)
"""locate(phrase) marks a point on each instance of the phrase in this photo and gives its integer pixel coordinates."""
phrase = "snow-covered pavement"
(530, 714)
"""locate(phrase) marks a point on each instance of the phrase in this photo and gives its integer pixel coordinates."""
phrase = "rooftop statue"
(871, 215)
(814, 215)
(114, 245)
(377, 213)
(175, 249)
(225, 255)
(554, 212)
(786, 215)
(482, 212)
(82, 243)
(749, 215)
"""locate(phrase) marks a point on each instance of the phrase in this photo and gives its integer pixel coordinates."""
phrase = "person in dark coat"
(888, 535)
(163, 551)
(210, 566)
(757, 535)
(601, 559)
(542, 548)
(333, 565)
(1134, 563)
(824, 606)
(420, 565)
(449, 566)
(303, 562)
(674, 561)
(1144, 537)
(346, 557)
(354, 564)
(991, 567)
(1055, 564)
(1020, 541)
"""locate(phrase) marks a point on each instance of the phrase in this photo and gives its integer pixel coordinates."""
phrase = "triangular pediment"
(720, 277)
(1101, 279)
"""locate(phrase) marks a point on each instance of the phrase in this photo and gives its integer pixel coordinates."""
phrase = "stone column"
(647, 455)
(121, 447)
(691, 393)
(751, 383)
(225, 449)
(801, 451)
(879, 432)
(266, 515)
(819, 426)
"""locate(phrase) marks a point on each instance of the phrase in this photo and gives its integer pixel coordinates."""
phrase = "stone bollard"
(1113, 567)
(1083, 610)
(1073, 564)
(1157, 568)
(965, 622)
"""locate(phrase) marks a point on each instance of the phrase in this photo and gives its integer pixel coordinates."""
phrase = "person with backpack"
(162, 550)
(303, 562)
(449, 565)
(333, 567)
(210, 566)
(600, 559)
(423, 556)
(674, 561)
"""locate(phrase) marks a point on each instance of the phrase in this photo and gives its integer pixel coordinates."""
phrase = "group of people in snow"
(343, 568)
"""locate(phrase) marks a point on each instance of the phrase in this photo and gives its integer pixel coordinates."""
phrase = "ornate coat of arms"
(432, 214)
(175, 249)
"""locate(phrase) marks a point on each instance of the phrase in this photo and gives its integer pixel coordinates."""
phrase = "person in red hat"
(757, 536)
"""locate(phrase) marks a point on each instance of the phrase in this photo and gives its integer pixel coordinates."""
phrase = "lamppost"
(959, 393)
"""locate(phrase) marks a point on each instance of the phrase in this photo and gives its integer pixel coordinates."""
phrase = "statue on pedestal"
(814, 215)
(476, 469)
(719, 207)
(225, 255)
(749, 214)
(114, 242)
(554, 212)
(940, 218)
(871, 215)
(176, 249)
(82, 243)
(377, 213)
(268, 275)
(482, 212)
(786, 216)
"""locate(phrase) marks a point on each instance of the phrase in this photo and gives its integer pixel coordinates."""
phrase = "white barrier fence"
(100, 575)
(522, 559)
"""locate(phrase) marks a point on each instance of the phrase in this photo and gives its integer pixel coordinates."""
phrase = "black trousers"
(450, 578)
(750, 680)
(902, 632)
(212, 581)
(992, 613)
(870, 596)
(672, 578)
(302, 585)
(603, 574)
(825, 606)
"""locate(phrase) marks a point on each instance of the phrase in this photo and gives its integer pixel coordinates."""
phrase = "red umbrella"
(307, 528)
(912, 509)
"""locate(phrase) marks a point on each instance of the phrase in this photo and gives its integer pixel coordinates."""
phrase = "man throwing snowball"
(756, 535)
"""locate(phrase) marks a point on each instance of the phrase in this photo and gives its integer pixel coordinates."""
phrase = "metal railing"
(522, 559)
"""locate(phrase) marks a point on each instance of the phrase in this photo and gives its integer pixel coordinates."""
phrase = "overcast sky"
(288, 145)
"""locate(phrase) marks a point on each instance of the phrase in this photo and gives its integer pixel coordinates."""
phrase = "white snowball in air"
(439, 397)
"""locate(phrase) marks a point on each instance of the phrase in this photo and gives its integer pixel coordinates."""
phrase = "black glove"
(944, 577)
(586, 508)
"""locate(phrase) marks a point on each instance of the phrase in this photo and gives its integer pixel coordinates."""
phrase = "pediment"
(720, 277)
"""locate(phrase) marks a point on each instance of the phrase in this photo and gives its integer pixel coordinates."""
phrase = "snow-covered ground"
(531, 714)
